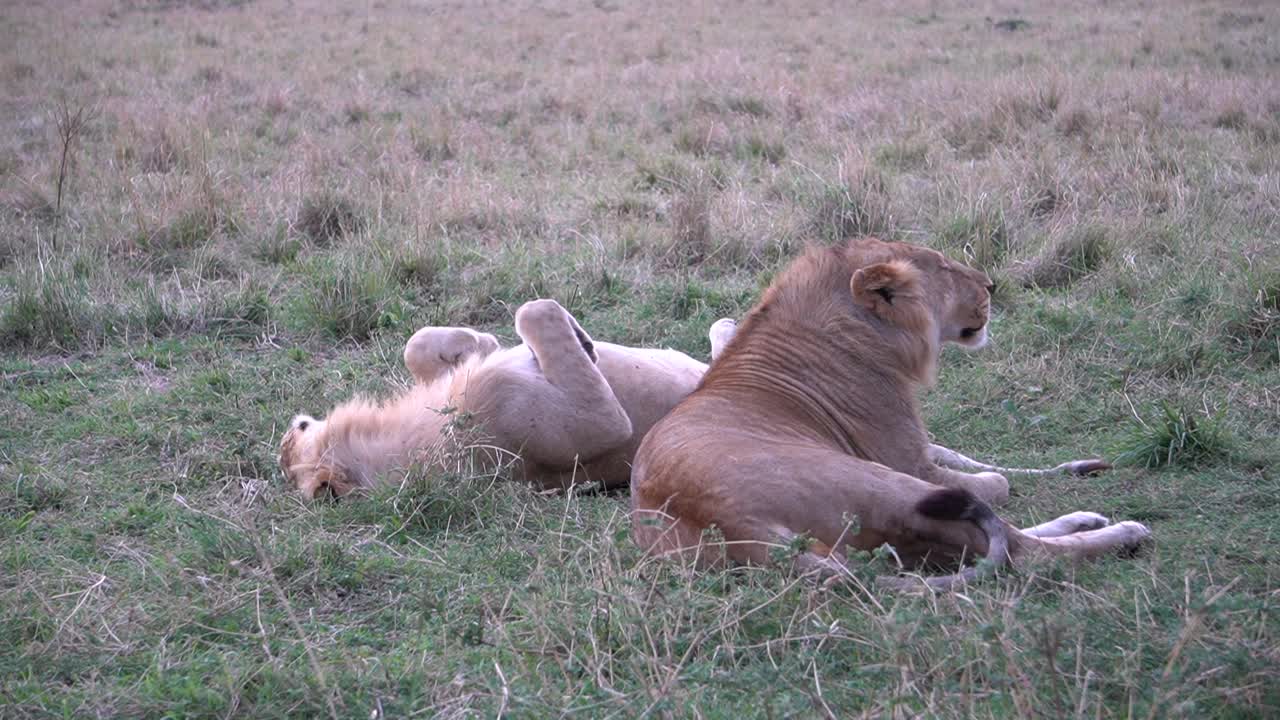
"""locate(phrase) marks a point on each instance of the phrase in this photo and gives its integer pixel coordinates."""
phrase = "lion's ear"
(877, 287)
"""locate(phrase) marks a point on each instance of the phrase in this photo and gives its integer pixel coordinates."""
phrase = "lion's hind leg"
(811, 507)
(574, 416)
(433, 351)
(1085, 544)
(938, 508)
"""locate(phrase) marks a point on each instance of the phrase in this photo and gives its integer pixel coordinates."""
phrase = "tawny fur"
(361, 440)
(571, 410)
(807, 426)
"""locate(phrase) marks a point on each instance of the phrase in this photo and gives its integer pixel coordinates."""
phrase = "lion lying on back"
(572, 409)
(805, 429)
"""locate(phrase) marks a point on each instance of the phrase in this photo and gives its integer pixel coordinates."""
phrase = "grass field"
(215, 214)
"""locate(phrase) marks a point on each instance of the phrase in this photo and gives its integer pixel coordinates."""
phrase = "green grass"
(262, 212)
(1175, 436)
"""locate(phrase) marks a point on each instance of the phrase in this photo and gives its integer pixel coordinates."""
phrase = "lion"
(805, 431)
(571, 409)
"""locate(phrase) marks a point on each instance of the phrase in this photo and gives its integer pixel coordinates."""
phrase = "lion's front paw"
(1085, 467)
(1084, 521)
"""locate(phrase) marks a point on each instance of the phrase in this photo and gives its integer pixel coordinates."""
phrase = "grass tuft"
(162, 153)
(1076, 122)
(191, 229)
(980, 236)
(277, 247)
(746, 105)
(1232, 118)
(158, 314)
(51, 312)
(1177, 436)
(690, 241)
(756, 147)
(857, 207)
(902, 155)
(1066, 259)
(424, 269)
(327, 217)
(433, 146)
(1256, 328)
(348, 298)
(244, 313)
(29, 203)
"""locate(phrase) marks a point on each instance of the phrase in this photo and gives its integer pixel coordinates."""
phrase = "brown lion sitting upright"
(806, 428)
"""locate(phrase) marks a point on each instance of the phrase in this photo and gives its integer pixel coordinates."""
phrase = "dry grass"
(270, 196)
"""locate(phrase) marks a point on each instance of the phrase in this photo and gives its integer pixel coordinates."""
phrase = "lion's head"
(921, 290)
(304, 461)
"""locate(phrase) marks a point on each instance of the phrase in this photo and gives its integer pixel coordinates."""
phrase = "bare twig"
(71, 123)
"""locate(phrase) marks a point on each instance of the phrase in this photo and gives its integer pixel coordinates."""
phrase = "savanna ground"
(259, 202)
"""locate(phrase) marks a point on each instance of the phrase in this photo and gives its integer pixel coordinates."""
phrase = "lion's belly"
(648, 384)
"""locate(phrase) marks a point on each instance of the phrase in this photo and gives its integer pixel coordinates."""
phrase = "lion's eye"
(303, 425)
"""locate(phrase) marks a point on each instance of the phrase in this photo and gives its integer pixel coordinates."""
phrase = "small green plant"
(162, 153)
(244, 313)
(157, 313)
(1176, 436)
(424, 269)
(435, 145)
(277, 247)
(1232, 118)
(355, 112)
(699, 140)
(192, 230)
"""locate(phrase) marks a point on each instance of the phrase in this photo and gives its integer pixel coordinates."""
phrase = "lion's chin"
(976, 341)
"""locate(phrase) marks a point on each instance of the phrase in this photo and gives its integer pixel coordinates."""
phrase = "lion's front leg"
(432, 351)
(990, 487)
